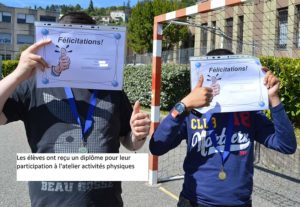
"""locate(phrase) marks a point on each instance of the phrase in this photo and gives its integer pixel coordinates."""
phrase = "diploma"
(82, 56)
(237, 83)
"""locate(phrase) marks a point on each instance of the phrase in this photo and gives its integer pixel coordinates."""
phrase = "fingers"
(33, 61)
(39, 59)
(273, 81)
(140, 124)
(139, 116)
(267, 76)
(38, 45)
(136, 107)
(208, 90)
(265, 69)
(142, 129)
(208, 96)
(140, 119)
(270, 79)
(200, 81)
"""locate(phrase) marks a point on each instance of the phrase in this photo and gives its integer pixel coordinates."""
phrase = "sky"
(83, 3)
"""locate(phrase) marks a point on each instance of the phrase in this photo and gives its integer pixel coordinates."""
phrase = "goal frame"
(201, 7)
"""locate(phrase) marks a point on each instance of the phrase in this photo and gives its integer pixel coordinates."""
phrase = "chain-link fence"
(258, 28)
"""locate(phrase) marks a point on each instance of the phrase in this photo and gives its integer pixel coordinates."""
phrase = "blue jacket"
(203, 162)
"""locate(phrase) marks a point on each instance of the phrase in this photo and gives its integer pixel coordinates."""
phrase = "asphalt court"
(135, 194)
(15, 194)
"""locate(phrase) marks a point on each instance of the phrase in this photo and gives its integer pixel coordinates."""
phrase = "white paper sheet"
(82, 56)
(237, 82)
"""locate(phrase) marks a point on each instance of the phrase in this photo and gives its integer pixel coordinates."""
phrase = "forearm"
(131, 143)
(274, 101)
(167, 135)
(7, 87)
(284, 131)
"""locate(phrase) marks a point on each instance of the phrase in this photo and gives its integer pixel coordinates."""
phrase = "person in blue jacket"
(219, 160)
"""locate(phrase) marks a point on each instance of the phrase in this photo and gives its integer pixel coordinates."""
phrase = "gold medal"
(222, 174)
(83, 150)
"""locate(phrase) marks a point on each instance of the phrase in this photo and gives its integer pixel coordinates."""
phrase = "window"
(213, 36)
(240, 27)
(25, 39)
(203, 39)
(47, 18)
(6, 57)
(25, 18)
(5, 17)
(30, 19)
(5, 38)
(282, 28)
(228, 32)
(297, 26)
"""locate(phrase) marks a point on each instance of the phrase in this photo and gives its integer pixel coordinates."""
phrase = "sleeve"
(125, 115)
(168, 135)
(278, 135)
(16, 106)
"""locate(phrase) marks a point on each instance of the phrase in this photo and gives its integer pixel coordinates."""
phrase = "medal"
(222, 174)
(89, 118)
(224, 153)
(83, 150)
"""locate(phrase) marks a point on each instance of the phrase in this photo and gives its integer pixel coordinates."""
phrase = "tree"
(77, 7)
(128, 4)
(140, 26)
(186, 3)
(91, 7)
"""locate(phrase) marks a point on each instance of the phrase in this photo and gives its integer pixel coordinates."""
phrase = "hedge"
(288, 71)
(8, 66)
(175, 84)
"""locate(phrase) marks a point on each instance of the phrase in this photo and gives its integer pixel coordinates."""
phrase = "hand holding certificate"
(237, 82)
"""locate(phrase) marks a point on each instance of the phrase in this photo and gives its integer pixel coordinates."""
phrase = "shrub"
(8, 66)
(288, 71)
(175, 84)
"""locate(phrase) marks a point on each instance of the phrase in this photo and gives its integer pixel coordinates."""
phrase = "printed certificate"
(237, 82)
(82, 56)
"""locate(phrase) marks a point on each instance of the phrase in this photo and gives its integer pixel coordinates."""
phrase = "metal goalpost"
(201, 7)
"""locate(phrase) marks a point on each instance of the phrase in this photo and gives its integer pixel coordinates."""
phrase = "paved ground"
(135, 194)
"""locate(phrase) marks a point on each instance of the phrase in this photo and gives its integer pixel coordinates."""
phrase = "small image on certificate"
(237, 82)
(82, 56)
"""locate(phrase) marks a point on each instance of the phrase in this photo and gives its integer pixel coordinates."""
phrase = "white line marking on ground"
(169, 193)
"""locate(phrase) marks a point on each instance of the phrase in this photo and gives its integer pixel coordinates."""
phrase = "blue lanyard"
(224, 155)
(89, 118)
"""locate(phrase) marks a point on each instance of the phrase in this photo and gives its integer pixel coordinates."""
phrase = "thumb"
(200, 81)
(136, 107)
(62, 52)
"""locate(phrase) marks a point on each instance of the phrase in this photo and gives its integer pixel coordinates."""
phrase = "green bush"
(288, 71)
(175, 84)
(8, 66)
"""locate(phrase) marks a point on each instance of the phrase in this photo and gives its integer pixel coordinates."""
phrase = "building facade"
(119, 15)
(257, 27)
(17, 28)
